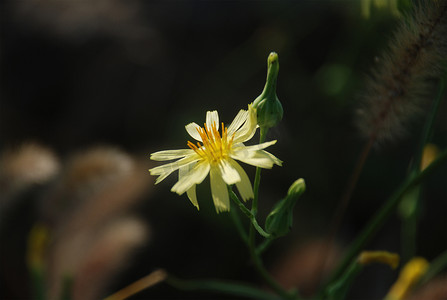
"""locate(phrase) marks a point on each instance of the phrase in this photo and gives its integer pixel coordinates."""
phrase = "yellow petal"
(192, 196)
(191, 128)
(240, 118)
(195, 176)
(259, 158)
(219, 191)
(182, 172)
(165, 170)
(244, 185)
(171, 154)
(247, 131)
(212, 117)
(229, 174)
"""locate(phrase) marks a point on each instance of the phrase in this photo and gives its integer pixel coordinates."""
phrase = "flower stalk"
(249, 214)
(384, 213)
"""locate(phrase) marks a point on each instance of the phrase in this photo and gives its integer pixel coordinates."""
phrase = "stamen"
(230, 143)
(215, 146)
(192, 146)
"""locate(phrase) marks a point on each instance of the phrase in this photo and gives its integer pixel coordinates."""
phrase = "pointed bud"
(280, 219)
(269, 109)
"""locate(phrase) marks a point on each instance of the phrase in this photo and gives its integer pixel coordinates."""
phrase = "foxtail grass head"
(399, 84)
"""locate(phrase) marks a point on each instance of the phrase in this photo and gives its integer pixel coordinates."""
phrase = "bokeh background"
(126, 76)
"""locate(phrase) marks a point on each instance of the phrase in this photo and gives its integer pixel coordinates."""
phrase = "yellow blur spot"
(384, 257)
(429, 154)
(146, 282)
(390, 5)
(408, 277)
(37, 244)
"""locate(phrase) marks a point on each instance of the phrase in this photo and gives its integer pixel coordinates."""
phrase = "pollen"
(215, 146)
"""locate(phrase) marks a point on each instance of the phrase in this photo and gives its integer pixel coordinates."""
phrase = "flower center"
(215, 147)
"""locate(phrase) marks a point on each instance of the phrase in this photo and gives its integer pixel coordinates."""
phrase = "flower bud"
(269, 109)
(279, 221)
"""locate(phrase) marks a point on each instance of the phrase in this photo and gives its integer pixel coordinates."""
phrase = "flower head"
(215, 152)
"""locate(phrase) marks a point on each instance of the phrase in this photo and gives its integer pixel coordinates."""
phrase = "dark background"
(133, 73)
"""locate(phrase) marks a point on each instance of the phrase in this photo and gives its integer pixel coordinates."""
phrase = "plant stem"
(248, 213)
(141, 284)
(229, 288)
(384, 213)
(254, 204)
(252, 249)
(436, 266)
(410, 220)
(37, 279)
(251, 214)
(267, 277)
(263, 246)
(237, 222)
(411, 201)
(429, 125)
(342, 206)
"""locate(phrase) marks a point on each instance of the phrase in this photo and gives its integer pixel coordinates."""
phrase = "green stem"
(263, 246)
(254, 204)
(436, 266)
(254, 254)
(237, 222)
(268, 278)
(229, 288)
(248, 213)
(37, 278)
(412, 202)
(251, 214)
(340, 287)
(67, 286)
(384, 213)
(429, 125)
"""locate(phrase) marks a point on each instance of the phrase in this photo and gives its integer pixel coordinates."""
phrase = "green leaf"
(279, 221)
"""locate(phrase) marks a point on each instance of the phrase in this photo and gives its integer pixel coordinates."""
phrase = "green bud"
(279, 221)
(269, 109)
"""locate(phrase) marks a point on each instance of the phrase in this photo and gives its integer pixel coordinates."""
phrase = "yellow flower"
(215, 153)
